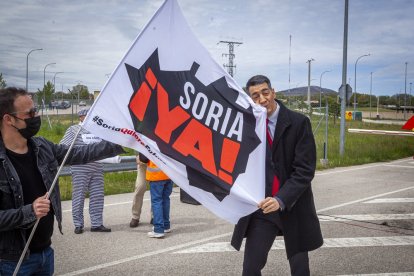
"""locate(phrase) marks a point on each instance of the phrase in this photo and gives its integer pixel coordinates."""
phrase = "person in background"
(86, 178)
(28, 166)
(289, 207)
(160, 188)
(140, 188)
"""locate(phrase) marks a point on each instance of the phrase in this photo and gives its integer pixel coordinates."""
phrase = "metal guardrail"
(128, 163)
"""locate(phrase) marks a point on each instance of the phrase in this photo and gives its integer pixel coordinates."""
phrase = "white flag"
(169, 100)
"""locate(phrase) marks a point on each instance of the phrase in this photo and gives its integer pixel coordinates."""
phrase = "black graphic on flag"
(200, 126)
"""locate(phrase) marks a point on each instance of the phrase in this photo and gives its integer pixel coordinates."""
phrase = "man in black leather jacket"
(28, 166)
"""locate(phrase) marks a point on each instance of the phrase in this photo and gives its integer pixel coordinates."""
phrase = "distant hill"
(303, 91)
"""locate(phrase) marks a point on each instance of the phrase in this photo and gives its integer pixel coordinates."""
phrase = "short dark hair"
(7, 97)
(258, 79)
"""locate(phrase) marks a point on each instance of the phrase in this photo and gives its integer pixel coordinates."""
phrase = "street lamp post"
(378, 116)
(355, 89)
(405, 92)
(309, 81)
(320, 90)
(410, 92)
(44, 83)
(54, 78)
(370, 93)
(343, 96)
(79, 90)
(27, 68)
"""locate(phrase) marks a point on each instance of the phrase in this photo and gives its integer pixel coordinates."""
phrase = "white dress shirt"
(273, 120)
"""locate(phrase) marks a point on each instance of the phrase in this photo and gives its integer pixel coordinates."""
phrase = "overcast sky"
(87, 39)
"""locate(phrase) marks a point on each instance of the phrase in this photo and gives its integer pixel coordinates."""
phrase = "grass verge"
(359, 149)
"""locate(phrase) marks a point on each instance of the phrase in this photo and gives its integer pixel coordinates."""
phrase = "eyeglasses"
(265, 93)
(32, 112)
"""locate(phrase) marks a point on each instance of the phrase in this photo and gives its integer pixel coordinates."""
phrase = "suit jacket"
(293, 160)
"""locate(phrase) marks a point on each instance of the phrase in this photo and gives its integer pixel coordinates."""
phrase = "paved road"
(367, 219)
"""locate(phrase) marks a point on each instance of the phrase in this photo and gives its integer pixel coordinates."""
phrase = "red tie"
(275, 187)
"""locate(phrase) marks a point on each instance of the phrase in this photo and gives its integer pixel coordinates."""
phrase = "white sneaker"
(169, 230)
(152, 234)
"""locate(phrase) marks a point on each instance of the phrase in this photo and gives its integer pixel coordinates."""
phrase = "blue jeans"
(39, 263)
(160, 203)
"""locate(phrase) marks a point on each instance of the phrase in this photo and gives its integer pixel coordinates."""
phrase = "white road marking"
(399, 166)
(94, 268)
(364, 199)
(217, 247)
(347, 170)
(361, 167)
(391, 200)
(369, 217)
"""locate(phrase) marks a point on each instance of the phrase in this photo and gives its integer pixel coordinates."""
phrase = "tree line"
(49, 93)
(81, 92)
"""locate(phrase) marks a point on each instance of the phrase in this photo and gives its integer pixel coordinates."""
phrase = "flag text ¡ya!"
(194, 139)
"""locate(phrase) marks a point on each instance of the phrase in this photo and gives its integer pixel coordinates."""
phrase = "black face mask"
(32, 127)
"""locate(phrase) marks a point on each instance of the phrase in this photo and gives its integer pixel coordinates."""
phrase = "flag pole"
(16, 270)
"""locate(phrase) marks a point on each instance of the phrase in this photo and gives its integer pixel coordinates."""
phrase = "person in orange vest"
(160, 190)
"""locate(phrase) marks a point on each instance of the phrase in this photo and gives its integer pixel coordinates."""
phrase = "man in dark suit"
(288, 208)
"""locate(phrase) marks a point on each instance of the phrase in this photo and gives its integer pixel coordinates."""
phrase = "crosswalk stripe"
(363, 199)
(369, 217)
(400, 166)
(391, 200)
(216, 247)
